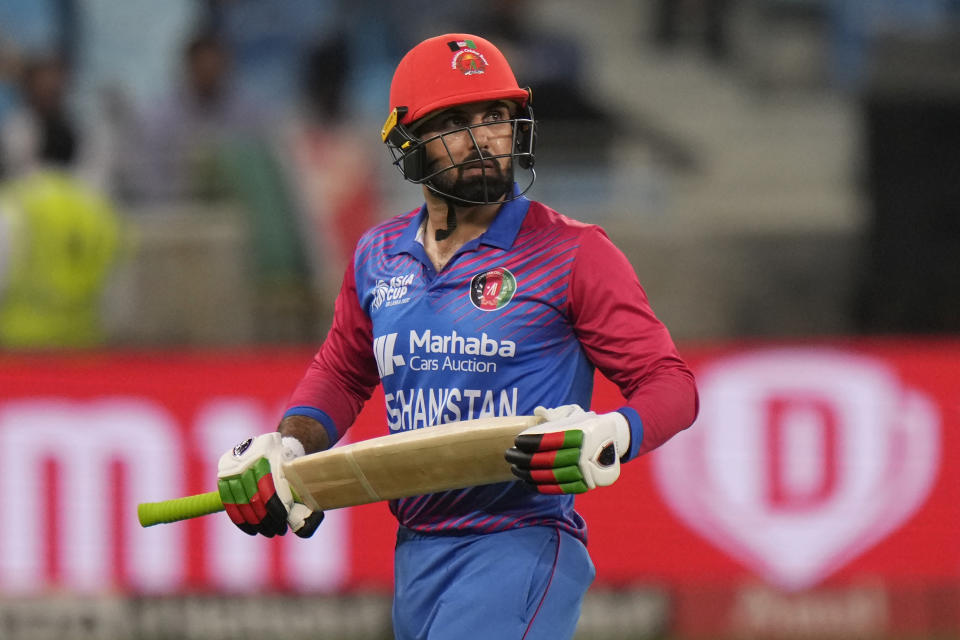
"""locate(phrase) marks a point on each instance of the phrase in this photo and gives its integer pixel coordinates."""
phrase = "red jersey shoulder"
(540, 216)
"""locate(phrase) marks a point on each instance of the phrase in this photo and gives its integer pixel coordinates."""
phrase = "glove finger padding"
(548, 462)
(573, 454)
(560, 480)
(251, 499)
(255, 493)
(236, 504)
(304, 521)
(551, 441)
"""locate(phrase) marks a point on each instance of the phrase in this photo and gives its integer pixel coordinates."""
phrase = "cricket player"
(479, 303)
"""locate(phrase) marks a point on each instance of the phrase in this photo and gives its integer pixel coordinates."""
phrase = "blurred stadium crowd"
(195, 172)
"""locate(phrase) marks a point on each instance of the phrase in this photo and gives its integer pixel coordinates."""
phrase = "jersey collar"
(501, 233)
(504, 228)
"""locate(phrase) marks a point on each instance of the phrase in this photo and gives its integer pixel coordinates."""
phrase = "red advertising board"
(828, 467)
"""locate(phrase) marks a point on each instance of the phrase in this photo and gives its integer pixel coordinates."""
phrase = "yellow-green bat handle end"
(151, 513)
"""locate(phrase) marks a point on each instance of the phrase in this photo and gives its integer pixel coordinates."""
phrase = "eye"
(454, 122)
(496, 115)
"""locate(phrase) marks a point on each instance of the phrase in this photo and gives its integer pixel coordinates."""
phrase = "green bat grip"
(151, 513)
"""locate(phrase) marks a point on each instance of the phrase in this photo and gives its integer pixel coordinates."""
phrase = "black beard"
(498, 184)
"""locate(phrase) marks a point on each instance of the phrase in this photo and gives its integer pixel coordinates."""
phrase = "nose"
(481, 134)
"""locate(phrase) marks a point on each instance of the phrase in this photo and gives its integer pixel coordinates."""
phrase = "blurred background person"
(333, 166)
(183, 133)
(268, 41)
(60, 243)
(43, 131)
(61, 233)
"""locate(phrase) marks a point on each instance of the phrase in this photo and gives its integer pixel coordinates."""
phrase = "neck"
(472, 221)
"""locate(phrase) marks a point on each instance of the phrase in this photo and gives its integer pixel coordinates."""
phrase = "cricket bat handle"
(201, 504)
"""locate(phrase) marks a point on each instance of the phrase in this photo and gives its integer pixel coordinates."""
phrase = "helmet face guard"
(410, 155)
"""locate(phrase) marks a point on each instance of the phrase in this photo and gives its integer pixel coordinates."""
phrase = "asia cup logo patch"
(493, 289)
(466, 58)
(391, 293)
(380, 293)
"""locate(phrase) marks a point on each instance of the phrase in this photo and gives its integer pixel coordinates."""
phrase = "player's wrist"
(314, 430)
(623, 435)
(635, 426)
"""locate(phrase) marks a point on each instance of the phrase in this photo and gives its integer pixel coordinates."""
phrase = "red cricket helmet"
(452, 69)
(444, 71)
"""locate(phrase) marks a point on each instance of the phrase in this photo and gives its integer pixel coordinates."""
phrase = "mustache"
(477, 155)
(474, 160)
(478, 158)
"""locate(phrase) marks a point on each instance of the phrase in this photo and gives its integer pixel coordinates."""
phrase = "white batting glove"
(254, 491)
(559, 413)
(573, 452)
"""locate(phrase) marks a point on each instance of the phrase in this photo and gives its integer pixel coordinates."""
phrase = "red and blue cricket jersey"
(518, 318)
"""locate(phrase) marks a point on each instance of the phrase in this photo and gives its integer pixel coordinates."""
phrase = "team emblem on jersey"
(466, 58)
(493, 289)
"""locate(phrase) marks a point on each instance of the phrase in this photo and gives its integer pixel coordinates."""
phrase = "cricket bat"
(455, 455)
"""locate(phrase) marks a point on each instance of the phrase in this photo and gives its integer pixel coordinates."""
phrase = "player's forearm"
(329, 395)
(308, 431)
(666, 403)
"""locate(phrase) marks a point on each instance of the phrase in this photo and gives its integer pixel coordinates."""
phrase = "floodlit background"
(182, 183)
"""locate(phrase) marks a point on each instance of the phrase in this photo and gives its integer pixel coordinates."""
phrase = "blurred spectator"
(9, 63)
(268, 40)
(130, 47)
(41, 132)
(333, 167)
(59, 243)
(183, 135)
(31, 29)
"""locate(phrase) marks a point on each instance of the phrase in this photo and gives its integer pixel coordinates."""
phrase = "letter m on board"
(383, 347)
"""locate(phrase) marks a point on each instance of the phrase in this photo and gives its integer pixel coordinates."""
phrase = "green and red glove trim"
(548, 462)
(251, 501)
